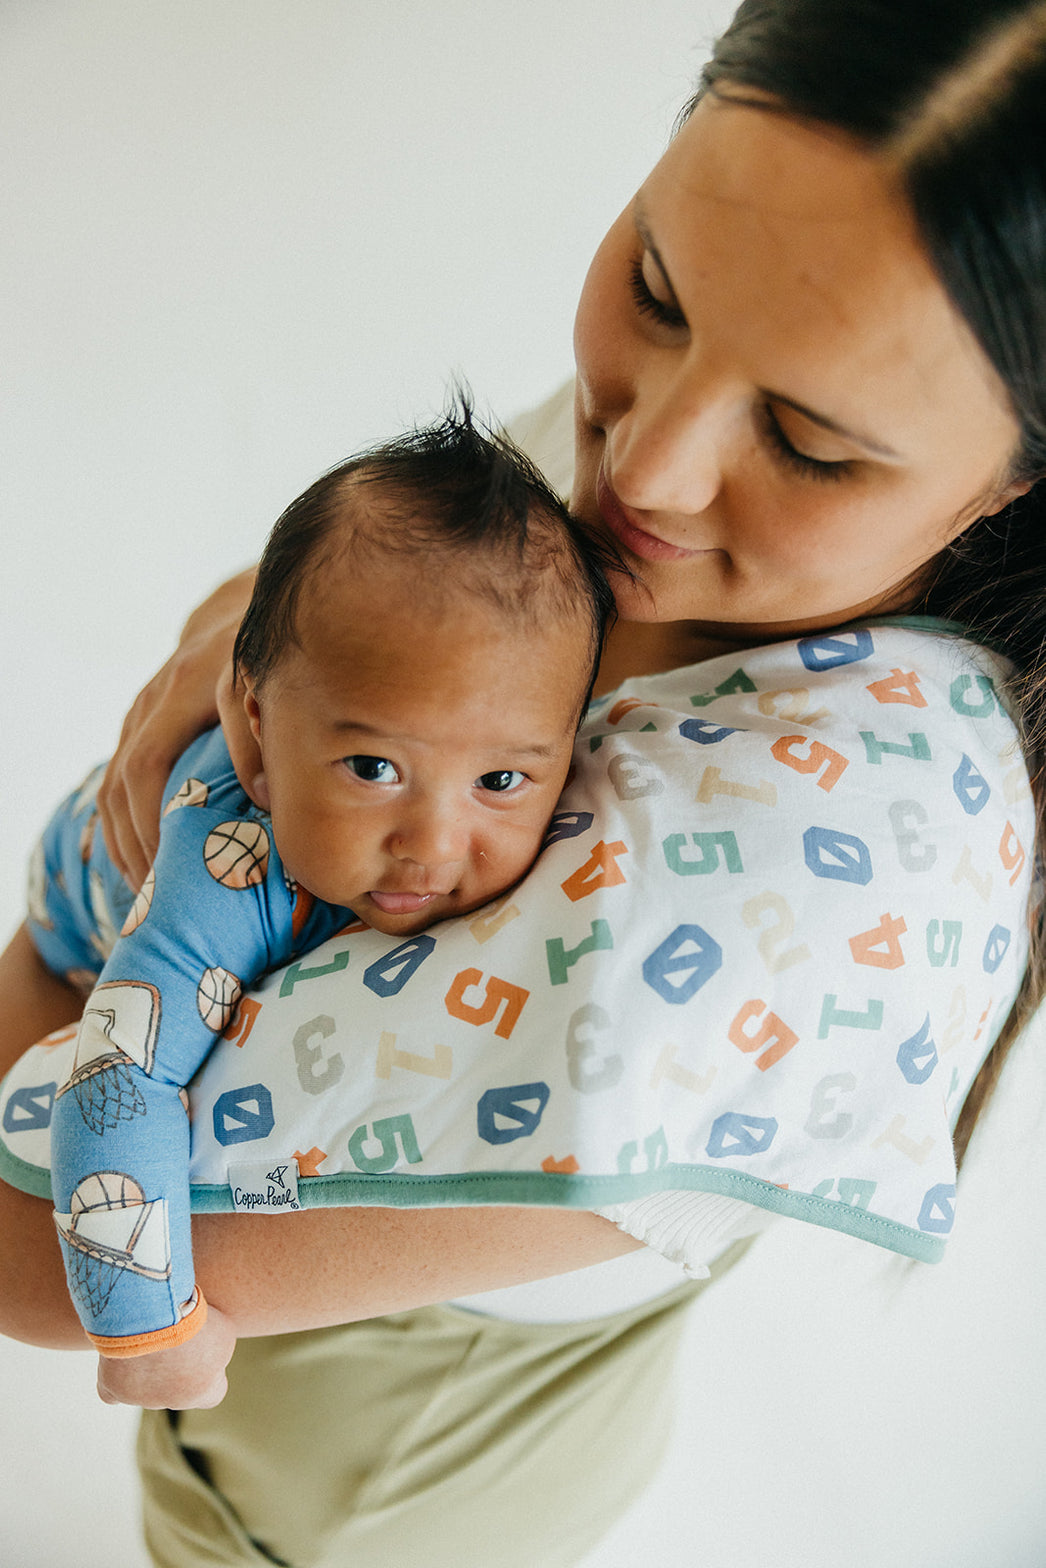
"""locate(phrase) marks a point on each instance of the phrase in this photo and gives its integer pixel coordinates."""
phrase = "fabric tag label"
(265, 1189)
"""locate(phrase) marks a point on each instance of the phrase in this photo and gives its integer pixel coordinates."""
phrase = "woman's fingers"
(168, 713)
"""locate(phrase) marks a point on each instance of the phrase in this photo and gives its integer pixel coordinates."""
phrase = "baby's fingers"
(142, 1382)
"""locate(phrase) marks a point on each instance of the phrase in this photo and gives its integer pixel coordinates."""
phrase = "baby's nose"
(430, 839)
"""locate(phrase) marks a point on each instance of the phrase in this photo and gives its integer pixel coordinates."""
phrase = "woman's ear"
(250, 763)
(1007, 494)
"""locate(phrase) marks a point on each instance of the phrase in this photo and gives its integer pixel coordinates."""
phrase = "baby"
(415, 661)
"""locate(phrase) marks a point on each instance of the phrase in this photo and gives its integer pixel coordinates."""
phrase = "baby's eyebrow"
(539, 749)
(515, 749)
(360, 728)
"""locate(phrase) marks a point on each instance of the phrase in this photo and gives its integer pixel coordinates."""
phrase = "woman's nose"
(667, 450)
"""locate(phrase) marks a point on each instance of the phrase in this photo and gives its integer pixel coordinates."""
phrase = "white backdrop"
(240, 238)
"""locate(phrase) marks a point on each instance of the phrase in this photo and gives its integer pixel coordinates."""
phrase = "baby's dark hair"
(462, 496)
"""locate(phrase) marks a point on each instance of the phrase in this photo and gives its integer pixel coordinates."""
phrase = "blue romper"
(215, 913)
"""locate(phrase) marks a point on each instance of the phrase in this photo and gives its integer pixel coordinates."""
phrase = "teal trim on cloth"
(33, 1179)
(918, 623)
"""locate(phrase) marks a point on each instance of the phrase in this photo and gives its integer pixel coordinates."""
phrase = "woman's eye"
(375, 770)
(801, 462)
(665, 312)
(500, 783)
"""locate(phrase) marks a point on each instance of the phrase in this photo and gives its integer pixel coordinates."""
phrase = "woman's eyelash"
(800, 462)
(648, 304)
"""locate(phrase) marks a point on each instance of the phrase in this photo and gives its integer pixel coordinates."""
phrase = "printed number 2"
(775, 935)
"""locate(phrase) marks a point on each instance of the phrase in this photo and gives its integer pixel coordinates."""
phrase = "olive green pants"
(437, 1438)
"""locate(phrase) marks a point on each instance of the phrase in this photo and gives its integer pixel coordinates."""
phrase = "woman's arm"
(274, 1274)
(277, 1273)
(190, 692)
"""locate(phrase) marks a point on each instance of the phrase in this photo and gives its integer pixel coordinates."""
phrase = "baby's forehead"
(385, 627)
(372, 565)
(460, 603)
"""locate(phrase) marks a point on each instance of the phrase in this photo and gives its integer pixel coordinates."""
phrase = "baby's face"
(413, 752)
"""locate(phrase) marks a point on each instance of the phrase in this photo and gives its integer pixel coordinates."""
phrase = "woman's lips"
(647, 546)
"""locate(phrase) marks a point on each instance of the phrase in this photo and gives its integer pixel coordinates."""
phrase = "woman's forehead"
(792, 249)
(737, 150)
(745, 178)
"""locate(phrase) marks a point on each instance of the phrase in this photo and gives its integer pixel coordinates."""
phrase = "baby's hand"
(189, 1377)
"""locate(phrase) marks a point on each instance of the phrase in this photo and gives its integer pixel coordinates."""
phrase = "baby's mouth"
(401, 903)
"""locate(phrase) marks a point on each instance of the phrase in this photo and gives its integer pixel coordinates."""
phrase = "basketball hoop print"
(237, 854)
(112, 1229)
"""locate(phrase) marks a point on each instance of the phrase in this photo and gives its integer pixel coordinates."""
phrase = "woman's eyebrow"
(643, 230)
(833, 425)
(824, 420)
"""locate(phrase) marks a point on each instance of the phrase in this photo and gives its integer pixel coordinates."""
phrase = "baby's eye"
(375, 770)
(502, 781)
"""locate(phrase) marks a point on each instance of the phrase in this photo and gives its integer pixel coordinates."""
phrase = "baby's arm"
(35, 1307)
(198, 931)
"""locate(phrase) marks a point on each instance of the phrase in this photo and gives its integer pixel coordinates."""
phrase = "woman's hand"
(177, 705)
(188, 1377)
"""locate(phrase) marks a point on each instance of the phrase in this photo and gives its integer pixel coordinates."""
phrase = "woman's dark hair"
(953, 94)
(468, 504)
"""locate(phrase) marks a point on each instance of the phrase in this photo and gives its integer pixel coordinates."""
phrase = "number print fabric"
(780, 917)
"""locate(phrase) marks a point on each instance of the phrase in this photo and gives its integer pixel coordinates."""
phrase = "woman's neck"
(648, 647)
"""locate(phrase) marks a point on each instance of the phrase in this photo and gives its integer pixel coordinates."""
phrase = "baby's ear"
(249, 760)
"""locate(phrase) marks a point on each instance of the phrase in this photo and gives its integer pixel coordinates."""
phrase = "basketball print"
(193, 792)
(216, 997)
(106, 1190)
(237, 854)
(140, 908)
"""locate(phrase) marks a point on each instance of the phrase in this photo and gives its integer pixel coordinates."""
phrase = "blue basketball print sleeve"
(214, 914)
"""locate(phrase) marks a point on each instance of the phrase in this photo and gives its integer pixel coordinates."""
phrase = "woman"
(807, 394)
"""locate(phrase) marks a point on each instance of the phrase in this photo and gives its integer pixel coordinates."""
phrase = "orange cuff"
(121, 1348)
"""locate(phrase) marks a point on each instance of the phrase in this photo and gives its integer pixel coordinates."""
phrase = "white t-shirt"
(683, 1232)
